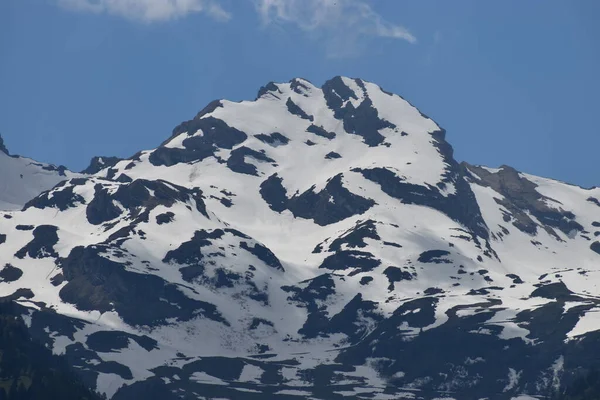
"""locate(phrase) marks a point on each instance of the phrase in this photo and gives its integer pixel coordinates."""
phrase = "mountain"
(23, 178)
(316, 242)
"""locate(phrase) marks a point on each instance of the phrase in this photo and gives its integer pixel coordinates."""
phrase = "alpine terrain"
(314, 243)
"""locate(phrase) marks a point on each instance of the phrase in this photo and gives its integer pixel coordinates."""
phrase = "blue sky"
(513, 82)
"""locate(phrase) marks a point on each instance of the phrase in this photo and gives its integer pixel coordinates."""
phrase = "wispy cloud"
(342, 25)
(148, 10)
(433, 48)
(337, 18)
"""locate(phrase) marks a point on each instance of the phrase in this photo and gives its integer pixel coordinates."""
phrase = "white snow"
(513, 379)
(250, 373)
(589, 322)
(22, 179)
(206, 378)
(109, 383)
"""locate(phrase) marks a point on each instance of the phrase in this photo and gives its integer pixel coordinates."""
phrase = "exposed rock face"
(215, 134)
(522, 202)
(332, 204)
(3, 148)
(98, 163)
(97, 283)
(317, 242)
(460, 206)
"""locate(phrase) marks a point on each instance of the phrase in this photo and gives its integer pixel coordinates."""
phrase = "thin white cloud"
(352, 18)
(341, 25)
(148, 10)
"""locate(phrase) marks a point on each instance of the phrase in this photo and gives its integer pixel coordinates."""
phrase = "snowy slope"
(23, 179)
(317, 242)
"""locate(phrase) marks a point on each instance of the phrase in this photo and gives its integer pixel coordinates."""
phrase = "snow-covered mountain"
(23, 178)
(313, 243)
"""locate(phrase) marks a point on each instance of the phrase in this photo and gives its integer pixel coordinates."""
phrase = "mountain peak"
(288, 123)
(98, 163)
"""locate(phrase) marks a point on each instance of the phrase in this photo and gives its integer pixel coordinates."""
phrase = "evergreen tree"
(33, 371)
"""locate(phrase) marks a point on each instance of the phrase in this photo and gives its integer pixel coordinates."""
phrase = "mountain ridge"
(25, 178)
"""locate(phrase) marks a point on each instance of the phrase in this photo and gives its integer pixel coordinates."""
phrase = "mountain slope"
(317, 242)
(23, 178)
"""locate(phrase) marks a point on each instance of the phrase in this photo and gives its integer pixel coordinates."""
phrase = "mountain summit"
(316, 242)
